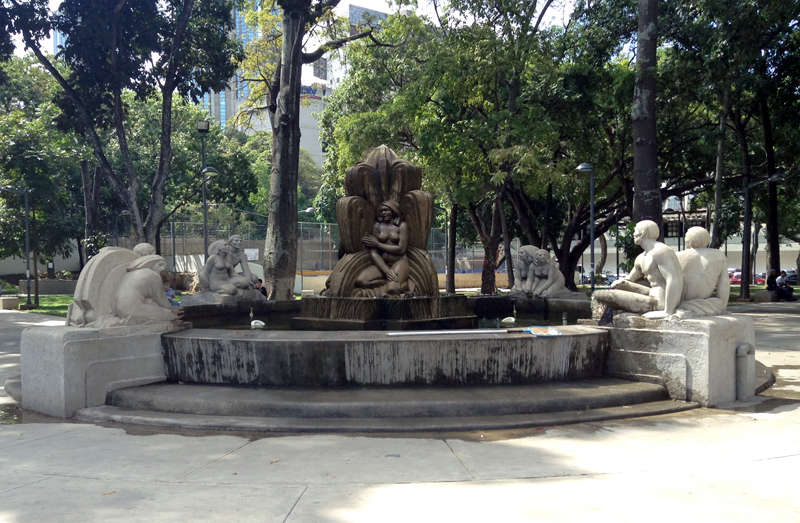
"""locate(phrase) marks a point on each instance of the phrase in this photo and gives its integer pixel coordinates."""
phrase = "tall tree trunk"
(598, 268)
(280, 249)
(490, 239)
(741, 131)
(773, 243)
(450, 277)
(546, 221)
(716, 235)
(647, 198)
(754, 252)
(509, 261)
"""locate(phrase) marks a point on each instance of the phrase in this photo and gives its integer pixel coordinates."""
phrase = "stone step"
(381, 409)
(106, 414)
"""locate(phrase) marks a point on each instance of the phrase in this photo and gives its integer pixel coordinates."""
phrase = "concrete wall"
(69, 368)
(696, 360)
(16, 265)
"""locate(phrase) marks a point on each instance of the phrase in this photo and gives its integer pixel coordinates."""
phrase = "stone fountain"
(386, 279)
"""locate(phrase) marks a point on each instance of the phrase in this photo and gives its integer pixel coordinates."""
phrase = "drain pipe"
(745, 372)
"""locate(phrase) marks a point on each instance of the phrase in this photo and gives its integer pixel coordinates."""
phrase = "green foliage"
(36, 156)
(8, 288)
(94, 243)
(64, 275)
(624, 238)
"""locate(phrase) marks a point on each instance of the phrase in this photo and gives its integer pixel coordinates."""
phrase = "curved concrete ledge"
(108, 414)
(283, 358)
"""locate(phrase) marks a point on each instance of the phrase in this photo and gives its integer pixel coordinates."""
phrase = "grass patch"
(8, 288)
(53, 305)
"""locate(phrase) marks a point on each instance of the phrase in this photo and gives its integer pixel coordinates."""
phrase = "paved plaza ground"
(728, 464)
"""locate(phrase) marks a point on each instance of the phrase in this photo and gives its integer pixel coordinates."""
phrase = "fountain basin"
(357, 358)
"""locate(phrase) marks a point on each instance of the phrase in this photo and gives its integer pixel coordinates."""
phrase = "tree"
(36, 157)
(647, 198)
(299, 21)
(142, 46)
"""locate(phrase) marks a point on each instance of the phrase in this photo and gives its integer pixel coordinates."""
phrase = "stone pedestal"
(422, 313)
(9, 302)
(553, 310)
(68, 368)
(699, 360)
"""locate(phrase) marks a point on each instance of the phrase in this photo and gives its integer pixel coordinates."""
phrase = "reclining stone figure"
(654, 286)
(122, 287)
(704, 274)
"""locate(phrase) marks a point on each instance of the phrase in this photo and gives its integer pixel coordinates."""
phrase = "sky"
(557, 12)
(377, 5)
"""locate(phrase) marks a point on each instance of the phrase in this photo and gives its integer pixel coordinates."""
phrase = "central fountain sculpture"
(385, 279)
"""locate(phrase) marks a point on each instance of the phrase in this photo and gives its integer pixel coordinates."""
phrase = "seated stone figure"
(704, 274)
(388, 245)
(140, 298)
(538, 275)
(122, 287)
(238, 257)
(654, 286)
(384, 222)
(218, 280)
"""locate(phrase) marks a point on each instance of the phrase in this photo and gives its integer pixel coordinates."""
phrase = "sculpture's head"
(389, 211)
(235, 241)
(144, 249)
(645, 230)
(152, 261)
(697, 238)
(219, 246)
(527, 253)
(541, 257)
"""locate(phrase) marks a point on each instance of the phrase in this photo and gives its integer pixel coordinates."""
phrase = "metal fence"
(317, 247)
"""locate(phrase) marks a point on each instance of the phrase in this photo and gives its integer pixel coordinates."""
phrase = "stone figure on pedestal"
(654, 286)
(387, 245)
(384, 222)
(121, 287)
(538, 276)
(218, 280)
(705, 273)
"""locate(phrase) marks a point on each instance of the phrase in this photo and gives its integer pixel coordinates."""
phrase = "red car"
(736, 279)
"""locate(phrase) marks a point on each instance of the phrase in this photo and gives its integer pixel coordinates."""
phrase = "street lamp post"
(300, 241)
(584, 168)
(202, 127)
(206, 172)
(744, 292)
(24, 193)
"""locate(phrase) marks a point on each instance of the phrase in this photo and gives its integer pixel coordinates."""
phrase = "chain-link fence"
(317, 247)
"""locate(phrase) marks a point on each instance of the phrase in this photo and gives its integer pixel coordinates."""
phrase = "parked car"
(736, 279)
(791, 276)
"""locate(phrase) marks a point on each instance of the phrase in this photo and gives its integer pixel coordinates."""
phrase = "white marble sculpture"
(119, 287)
(218, 280)
(538, 276)
(654, 286)
(705, 274)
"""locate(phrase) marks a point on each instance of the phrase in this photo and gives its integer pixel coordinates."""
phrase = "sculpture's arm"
(724, 287)
(245, 266)
(551, 276)
(636, 275)
(203, 275)
(402, 243)
(673, 276)
(379, 262)
(530, 279)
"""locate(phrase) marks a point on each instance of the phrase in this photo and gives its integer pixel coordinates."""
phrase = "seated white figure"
(654, 286)
(705, 273)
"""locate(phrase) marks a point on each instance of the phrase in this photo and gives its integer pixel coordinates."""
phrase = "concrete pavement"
(729, 464)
